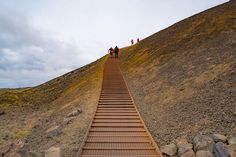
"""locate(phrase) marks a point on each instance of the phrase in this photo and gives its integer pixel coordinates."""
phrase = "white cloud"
(40, 40)
(29, 57)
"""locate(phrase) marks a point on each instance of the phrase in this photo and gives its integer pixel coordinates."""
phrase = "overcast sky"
(43, 39)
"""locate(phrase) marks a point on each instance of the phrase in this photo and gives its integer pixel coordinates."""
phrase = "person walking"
(132, 41)
(138, 40)
(116, 52)
(111, 51)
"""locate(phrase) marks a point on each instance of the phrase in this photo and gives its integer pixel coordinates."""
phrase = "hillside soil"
(30, 112)
(183, 79)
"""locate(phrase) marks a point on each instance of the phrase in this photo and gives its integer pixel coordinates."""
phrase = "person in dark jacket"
(116, 52)
(132, 41)
(111, 51)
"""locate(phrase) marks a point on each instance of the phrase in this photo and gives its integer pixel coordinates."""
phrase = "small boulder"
(67, 120)
(53, 152)
(220, 150)
(234, 113)
(169, 149)
(219, 138)
(53, 131)
(184, 148)
(2, 112)
(203, 153)
(74, 113)
(232, 140)
(188, 153)
(203, 142)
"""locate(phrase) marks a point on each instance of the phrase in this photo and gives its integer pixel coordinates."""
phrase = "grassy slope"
(187, 67)
(59, 87)
(183, 77)
(51, 102)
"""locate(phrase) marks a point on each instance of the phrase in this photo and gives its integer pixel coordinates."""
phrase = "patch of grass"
(91, 77)
(62, 87)
(25, 131)
(22, 134)
(6, 106)
(11, 98)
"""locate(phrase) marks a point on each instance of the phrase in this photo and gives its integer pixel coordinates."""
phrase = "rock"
(181, 89)
(232, 140)
(53, 131)
(74, 113)
(234, 113)
(203, 142)
(33, 154)
(5, 149)
(188, 153)
(232, 150)
(169, 149)
(219, 138)
(2, 112)
(220, 150)
(203, 153)
(53, 152)
(67, 120)
(79, 110)
(36, 126)
(184, 148)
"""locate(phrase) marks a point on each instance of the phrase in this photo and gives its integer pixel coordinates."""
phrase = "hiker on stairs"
(116, 52)
(111, 51)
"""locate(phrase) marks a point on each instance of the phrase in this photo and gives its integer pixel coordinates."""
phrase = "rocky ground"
(216, 145)
(183, 79)
(34, 128)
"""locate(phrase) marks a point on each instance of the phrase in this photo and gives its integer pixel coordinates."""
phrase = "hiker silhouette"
(111, 51)
(132, 41)
(116, 49)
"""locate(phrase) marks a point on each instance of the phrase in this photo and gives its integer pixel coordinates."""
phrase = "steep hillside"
(183, 78)
(30, 112)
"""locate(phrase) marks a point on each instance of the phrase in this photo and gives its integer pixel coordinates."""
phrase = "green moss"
(22, 134)
(91, 77)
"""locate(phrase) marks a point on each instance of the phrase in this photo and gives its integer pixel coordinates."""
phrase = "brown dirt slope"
(32, 111)
(183, 78)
